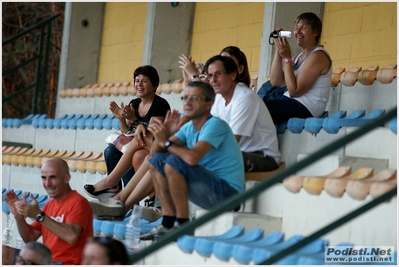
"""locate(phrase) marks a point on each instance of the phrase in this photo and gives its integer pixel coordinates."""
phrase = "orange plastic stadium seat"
(83, 92)
(335, 187)
(159, 89)
(177, 86)
(336, 76)
(166, 88)
(90, 92)
(368, 76)
(293, 183)
(68, 93)
(377, 189)
(124, 88)
(115, 89)
(259, 176)
(107, 89)
(76, 92)
(314, 185)
(98, 91)
(350, 77)
(254, 82)
(359, 189)
(63, 93)
(131, 89)
(387, 74)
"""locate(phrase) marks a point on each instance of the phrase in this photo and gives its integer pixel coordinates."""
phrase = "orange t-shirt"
(73, 209)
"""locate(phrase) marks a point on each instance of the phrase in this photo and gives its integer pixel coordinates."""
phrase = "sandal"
(102, 194)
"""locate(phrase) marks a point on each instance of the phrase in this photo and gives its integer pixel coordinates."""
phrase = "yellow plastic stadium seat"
(85, 155)
(335, 187)
(6, 159)
(24, 152)
(314, 185)
(350, 77)
(259, 176)
(72, 164)
(81, 165)
(359, 189)
(91, 166)
(101, 167)
(96, 156)
(69, 154)
(336, 76)
(387, 74)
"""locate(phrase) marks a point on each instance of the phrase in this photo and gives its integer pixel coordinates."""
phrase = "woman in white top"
(307, 76)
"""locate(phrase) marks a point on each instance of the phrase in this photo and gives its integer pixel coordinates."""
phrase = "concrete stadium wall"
(360, 34)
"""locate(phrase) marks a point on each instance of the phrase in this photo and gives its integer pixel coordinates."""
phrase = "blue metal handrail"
(234, 201)
(40, 72)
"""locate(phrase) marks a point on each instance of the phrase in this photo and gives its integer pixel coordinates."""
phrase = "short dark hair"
(150, 72)
(43, 250)
(115, 249)
(229, 65)
(207, 89)
(313, 20)
(235, 52)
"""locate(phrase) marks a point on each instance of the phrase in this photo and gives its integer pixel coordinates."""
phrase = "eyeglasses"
(216, 75)
(193, 98)
(21, 261)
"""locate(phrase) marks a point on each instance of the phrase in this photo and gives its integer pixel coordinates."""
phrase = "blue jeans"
(205, 189)
(112, 156)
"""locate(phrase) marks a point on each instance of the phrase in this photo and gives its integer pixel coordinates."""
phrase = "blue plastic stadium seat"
(296, 125)
(281, 127)
(37, 120)
(73, 122)
(186, 243)
(393, 125)
(57, 121)
(81, 122)
(332, 125)
(120, 228)
(4, 123)
(10, 123)
(223, 249)
(98, 123)
(312, 248)
(50, 123)
(116, 124)
(261, 254)
(204, 247)
(107, 123)
(64, 122)
(27, 120)
(90, 121)
(314, 125)
(242, 253)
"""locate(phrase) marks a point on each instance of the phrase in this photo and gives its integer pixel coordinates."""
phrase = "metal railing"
(41, 66)
(234, 201)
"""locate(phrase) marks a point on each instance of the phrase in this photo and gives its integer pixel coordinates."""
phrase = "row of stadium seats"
(357, 184)
(67, 121)
(254, 247)
(365, 77)
(92, 162)
(331, 124)
(348, 78)
(116, 89)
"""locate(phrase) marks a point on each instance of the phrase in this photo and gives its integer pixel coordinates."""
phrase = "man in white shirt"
(246, 114)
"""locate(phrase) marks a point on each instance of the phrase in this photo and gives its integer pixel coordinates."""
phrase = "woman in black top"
(136, 115)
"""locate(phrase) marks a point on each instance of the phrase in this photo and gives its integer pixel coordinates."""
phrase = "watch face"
(40, 217)
(167, 144)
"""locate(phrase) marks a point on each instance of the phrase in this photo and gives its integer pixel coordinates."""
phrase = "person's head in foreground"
(101, 250)
(34, 253)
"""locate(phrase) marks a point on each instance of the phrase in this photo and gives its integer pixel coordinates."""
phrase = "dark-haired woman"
(101, 250)
(138, 113)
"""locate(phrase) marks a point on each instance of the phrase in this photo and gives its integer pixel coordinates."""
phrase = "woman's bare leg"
(138, 158)
(143, 189)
